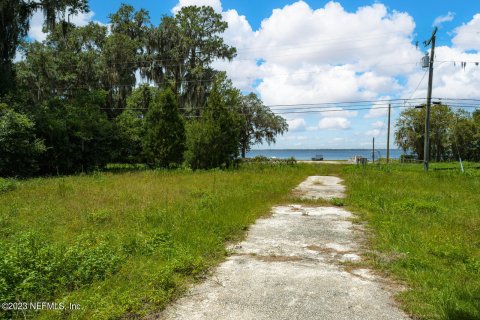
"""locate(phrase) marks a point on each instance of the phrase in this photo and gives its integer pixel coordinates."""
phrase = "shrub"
(19, 147)
(7, 185)
(31, 268)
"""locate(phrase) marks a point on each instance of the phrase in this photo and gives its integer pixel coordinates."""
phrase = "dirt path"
(289, 268)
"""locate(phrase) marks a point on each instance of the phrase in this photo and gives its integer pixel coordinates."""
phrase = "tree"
(15, 23)
(212, 140)
(164, 141)
(182, 49)
(78, 135)
(465, 136)
(64, 65)
(258, 123)
(123, 53)
(19, 147)
(132, 125)
(445, 130)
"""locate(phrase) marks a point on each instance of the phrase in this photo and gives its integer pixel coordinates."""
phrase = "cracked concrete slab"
(320, 187)
(289, 267)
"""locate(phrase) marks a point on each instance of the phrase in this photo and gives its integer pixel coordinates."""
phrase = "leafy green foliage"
(31, 268)
(258, 123)
(212, 140)
(164, 141)
(7, 185)
(78, 85)
(67, 64)
(78, 136)
(452, 134)
(132, 125)
(19, 147)
(123, 52)
(186, 45)
(15, 24)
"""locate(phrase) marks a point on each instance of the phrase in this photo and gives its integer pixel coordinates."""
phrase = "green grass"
(125, 244)
(425, 233)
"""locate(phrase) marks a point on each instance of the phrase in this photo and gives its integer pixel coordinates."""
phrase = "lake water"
(328, 154)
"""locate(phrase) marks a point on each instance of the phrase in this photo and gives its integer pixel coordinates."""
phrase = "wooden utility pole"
(388, 134)
(426, 149)
(373, 151)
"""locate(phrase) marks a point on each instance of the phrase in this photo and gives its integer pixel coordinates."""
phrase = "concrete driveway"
(290, 267)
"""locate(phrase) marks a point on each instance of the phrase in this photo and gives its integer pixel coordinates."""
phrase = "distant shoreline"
(253, 150)
(327, 154)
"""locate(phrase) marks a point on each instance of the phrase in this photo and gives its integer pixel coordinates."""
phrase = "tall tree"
(465, 136)
(123, 53)
(65, 64)
(258, 123)
(164, 141)
(78, 136)
(411, 131)
(182, 49)
(212, 139)
(15, 23)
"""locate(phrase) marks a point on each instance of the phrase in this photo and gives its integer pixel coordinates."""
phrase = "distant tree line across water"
(72, 103)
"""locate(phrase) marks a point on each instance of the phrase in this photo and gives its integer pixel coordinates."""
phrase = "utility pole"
(373, 151)
(388, 134)
(426, 149)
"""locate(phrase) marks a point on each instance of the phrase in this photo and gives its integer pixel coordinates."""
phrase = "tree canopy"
(133, 92)
(452, 134)
(258, 124)
(15, 24)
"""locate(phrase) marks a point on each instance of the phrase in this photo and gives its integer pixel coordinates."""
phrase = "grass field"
(125, 244)
(425, 232)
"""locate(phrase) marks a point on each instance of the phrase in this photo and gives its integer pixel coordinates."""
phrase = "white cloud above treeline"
(215, 4)
(36, 23)
(442, 19)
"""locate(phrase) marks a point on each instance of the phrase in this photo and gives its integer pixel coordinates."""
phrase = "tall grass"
(125, 244)
(426, 232)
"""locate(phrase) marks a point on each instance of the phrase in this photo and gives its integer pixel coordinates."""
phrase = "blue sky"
(424, 12)
(317, 52)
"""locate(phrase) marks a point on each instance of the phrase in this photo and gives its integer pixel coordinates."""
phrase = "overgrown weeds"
(426, 232)
(127, 243)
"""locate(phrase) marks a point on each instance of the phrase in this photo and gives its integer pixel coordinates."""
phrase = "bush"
(31, 268)
(19, 147)
(7, 185)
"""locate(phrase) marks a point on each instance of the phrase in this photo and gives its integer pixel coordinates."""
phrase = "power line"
(353, 105)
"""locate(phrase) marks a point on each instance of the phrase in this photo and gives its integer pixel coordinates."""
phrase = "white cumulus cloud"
(378, 124)
(215, 4)
(441, 19)
(467, 36)
(309, 60)
(36, 23)
(297, 124)
(373, 133)
(334, 123)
